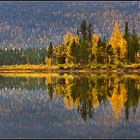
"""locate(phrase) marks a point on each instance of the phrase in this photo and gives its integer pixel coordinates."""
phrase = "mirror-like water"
(69, 106)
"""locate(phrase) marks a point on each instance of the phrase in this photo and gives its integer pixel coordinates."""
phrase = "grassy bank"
(70, 68)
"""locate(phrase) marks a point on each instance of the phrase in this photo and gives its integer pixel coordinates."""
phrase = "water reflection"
(85, 93)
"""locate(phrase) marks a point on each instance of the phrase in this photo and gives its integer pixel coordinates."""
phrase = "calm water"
(69, 106)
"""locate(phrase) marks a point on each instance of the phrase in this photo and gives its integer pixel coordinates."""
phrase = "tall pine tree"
(50, 52)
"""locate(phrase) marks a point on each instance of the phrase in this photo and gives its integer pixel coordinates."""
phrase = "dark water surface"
(69, 106)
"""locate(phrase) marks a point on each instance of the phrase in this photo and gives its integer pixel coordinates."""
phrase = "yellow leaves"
(118, 42)
(116, 32)
(60, 50)
(123, 45)
(68, 99)
(95, 101)
(59, 90)
(68, 80)
(68, 38)
(138, 86)
(137, 56)
(118, 99)
(95, 39)
(76, 39)
(48, 61)
(69, 104)
(48, 80)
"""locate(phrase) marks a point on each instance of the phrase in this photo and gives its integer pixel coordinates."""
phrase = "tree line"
(83, 48)
(20, 56)
(88, 48)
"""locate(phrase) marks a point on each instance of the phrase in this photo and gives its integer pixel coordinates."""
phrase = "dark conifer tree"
(50, 51)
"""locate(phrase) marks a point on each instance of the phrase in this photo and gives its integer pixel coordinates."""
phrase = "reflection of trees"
(118, 98)
(133, 92)
(85, 93)
(49, 86)
(22, 83)
(81, 90)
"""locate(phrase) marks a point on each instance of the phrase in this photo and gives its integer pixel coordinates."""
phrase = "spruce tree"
(50, 51)
(83, 30)
(134, 46)
(127, 38)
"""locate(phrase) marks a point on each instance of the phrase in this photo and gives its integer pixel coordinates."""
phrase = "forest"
(85, 48)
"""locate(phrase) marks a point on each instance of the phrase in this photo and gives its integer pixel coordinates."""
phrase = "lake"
(51, 105)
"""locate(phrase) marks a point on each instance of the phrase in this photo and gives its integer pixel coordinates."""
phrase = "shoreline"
(71, 70)
(62, 68)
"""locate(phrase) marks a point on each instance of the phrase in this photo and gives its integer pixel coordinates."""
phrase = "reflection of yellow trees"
(59, 89)
(68, 99)
(137, 81)
(138, 85)
(95, 101)
(118, 99)
(63, 88)
(85, 94)
(49, 82)
(70, 103)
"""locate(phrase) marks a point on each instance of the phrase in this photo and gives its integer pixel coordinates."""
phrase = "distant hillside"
(34, 24)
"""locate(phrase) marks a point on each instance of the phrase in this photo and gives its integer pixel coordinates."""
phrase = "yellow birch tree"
(118, 44)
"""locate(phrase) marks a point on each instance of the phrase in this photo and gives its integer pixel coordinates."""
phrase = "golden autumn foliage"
(76, 39)
(138, 55)
(118, 99)
(95, 101)
(60, 51)
(68, 40)
(70, 103)
(69, 37)
(48, 80)
(84, 49)
(118, 43)
(89, 92)
(48, 61)
(95, 39)
(68, 99)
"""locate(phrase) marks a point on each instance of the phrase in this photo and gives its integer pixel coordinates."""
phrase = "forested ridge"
(34, 24)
